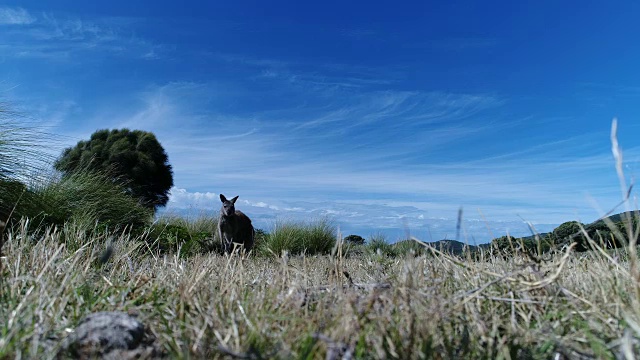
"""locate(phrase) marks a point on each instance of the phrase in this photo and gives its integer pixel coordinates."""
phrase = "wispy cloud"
(458, 44)
(359, 33)
(249, 61)
(59, 37)
(404, 108)
(262, 144)
(15, 16)
(54, 113)
(310, 75)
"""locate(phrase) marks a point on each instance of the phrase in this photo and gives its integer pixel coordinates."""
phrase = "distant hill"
(457, 247)
(616, 218)
(596, 224)
(450, 246)
(561, 234)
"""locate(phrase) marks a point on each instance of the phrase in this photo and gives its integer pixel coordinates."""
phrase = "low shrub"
(354, 239)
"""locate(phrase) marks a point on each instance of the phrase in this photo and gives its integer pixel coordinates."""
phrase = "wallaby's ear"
(234, 199)
(222, 198)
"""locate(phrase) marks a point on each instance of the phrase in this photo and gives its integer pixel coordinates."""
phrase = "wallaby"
(234, 226)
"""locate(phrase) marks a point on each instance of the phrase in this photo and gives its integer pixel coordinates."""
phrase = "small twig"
(373, 286)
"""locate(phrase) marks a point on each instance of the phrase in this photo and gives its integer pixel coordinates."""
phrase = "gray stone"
(110, 335)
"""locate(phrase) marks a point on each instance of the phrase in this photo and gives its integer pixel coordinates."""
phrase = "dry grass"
(433, 306)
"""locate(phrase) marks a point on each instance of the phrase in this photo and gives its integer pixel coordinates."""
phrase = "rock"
(110, 335)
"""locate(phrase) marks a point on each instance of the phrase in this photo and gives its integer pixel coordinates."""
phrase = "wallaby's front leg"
(228, 241)
(223, 238)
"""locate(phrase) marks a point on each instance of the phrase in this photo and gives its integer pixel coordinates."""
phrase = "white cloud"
(182, 199)
(262, 204)
(15, 16)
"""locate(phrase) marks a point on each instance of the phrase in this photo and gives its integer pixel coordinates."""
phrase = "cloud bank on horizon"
(384, 119)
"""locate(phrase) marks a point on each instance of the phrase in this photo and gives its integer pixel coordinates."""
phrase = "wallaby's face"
(228, 206)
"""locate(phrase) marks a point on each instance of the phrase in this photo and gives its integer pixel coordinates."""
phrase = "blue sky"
(386, 117)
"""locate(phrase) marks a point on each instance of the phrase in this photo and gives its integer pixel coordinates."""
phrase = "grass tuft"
(186, 235)
(314, 237)
(90, 198)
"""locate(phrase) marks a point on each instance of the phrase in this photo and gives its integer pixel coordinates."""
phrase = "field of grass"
(366, 305)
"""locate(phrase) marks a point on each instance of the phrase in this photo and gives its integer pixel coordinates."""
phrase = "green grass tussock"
(185, 235)
(313, 237)
(89, 198)
(379, 245)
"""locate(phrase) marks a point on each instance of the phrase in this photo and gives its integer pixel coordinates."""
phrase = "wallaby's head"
(228, 206)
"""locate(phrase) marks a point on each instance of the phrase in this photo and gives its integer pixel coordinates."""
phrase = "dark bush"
(354, 239)
(135, 159)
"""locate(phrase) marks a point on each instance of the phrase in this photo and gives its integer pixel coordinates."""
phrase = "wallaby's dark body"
(234, 226)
